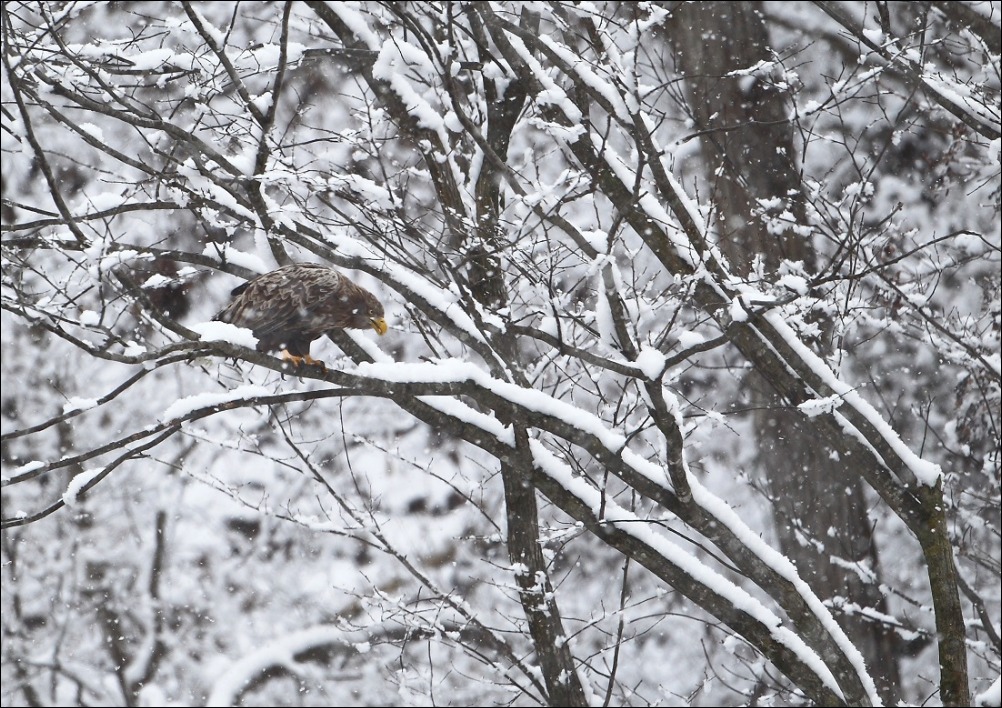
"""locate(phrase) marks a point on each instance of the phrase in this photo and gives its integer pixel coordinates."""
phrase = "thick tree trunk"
(749, 155)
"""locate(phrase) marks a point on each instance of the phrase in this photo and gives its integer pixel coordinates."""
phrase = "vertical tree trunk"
(487, 284)
(748, 150)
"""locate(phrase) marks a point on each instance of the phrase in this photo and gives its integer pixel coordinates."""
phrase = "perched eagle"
(290, 307)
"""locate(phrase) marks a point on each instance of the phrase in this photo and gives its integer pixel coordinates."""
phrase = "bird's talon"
(301, 361)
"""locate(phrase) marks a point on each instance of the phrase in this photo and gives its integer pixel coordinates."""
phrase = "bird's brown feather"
(290, 307)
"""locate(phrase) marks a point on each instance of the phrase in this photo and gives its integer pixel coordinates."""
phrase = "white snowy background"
(186, 523)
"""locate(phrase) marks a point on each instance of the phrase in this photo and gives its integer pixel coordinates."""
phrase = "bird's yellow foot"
(298, 361)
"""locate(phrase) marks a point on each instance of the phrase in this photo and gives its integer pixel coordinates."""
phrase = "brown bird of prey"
(290, 307)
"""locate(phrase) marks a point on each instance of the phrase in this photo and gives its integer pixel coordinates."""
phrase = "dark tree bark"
(749, 154)
(487, 285)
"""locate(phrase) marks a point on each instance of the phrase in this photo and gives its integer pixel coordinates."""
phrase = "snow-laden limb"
(725, 514)
(225, 332)
(991, 696)
(925, 472)
(396, 60)
(723, 284)
(950, 94)
(706, 579)
(878, 435)
(406, 100)
(229, 683)
(652, 362)
(225, 253)
(607, 517)
(769, 349)
(23, 470)
(454, 371)
(187, 405)
(534, 404)
(961, 96)
(79, 481)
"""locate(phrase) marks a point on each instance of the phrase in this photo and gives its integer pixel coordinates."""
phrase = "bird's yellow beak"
(379, 324)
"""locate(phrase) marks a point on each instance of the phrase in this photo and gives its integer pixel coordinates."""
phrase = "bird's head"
(370, 314)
